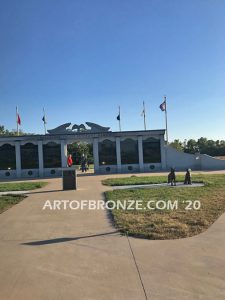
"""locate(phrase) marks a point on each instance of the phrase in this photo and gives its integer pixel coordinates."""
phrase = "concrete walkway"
(14, 193)
(156, 185)
(77, 254)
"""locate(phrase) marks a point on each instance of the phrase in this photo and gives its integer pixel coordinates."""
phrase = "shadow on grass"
(66, 239)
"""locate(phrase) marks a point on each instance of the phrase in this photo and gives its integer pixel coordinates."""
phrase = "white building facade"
(33, 156)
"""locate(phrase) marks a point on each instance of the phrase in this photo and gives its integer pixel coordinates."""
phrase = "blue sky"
(81, 59)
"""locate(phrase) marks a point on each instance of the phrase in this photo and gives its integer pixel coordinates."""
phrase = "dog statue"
(187, 179)
(172, 177)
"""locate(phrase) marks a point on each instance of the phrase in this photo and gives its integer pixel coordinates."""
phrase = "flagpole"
(17, 125)
(119, 120)
(44, 120)
(144, 115)
(167, 140)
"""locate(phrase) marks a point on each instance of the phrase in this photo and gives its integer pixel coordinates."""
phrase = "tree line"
(6, 132)
(202, 145)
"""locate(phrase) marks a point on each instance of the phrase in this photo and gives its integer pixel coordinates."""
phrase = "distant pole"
(44, 120)
(119, 119)
(144, 114)
(17, 127)
(167, 139)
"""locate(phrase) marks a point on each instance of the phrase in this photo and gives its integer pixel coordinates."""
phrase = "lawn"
(21, 186)
(168, 223)
(8, 201)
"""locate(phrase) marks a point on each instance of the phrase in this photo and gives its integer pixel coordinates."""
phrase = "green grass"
(8, 201)
(168, 224)
(21, 186)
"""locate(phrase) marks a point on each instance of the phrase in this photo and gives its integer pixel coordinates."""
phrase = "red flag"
(18, 119)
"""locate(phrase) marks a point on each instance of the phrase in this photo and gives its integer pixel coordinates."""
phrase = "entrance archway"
(82, 155)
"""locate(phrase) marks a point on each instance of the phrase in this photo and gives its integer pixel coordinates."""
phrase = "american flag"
(163, 106)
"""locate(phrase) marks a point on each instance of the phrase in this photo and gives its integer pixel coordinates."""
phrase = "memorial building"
(36, 156)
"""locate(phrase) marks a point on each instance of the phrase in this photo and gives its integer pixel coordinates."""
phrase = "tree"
(191, 146)
(13, 132)
(202, 145)
(2, 130)
(177, 144)
(79, 149)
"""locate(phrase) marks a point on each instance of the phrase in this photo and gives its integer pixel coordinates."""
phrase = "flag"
(143, 111)
(143, 115)
(118, 117)
(44, 120)
(163, 106)
(18, 119)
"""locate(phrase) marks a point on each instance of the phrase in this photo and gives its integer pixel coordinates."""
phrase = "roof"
(82, 136)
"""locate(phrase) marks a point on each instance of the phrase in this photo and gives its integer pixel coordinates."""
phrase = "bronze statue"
(64, 128)
(172, 177)
(187, 179)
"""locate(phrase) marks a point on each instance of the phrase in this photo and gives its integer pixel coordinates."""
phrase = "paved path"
(76, 254)
(13, 193)
(156, 185)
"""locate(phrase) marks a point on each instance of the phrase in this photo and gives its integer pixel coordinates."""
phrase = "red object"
(69, 161)
(18, 119)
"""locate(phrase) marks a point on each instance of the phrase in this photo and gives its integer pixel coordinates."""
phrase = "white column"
(95, 154)
(18, 160)
(140, 154)
(63, 154)
(118, 155)
(40, 159)
(163, 152)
